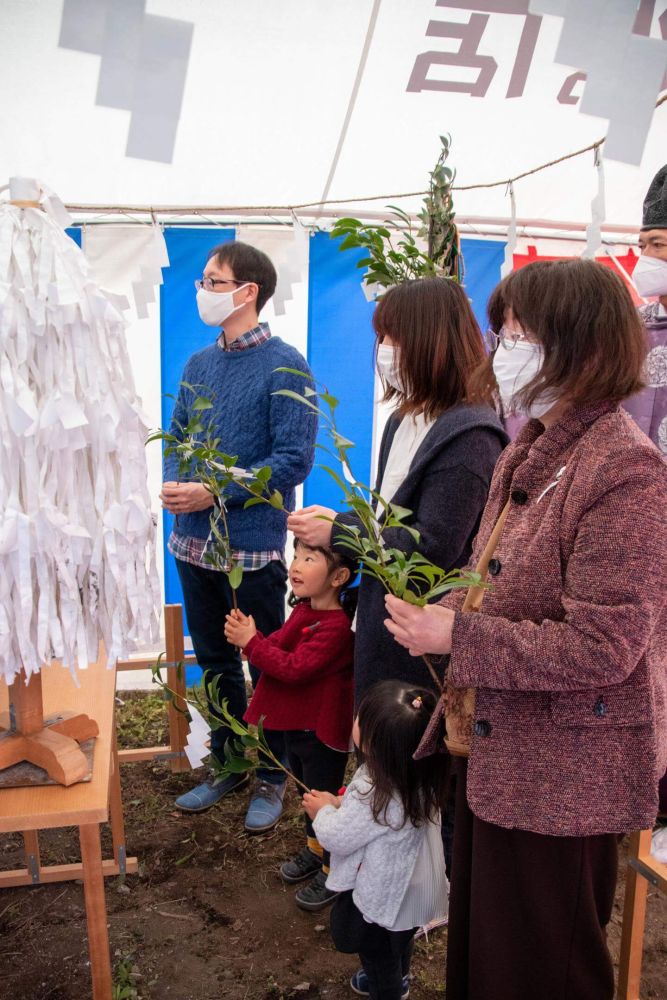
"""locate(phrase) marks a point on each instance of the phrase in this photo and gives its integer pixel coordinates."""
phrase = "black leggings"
(316, 765)
(385, 955)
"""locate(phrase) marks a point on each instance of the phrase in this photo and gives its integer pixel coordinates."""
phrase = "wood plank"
(132, 756)
(62, 873)
(188, 659)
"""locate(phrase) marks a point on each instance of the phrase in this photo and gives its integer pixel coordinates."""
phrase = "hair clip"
(417, 703)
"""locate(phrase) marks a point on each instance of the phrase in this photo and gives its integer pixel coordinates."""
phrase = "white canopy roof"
(267, 87)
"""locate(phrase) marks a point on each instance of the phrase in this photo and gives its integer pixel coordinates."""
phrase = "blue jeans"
(208, 599)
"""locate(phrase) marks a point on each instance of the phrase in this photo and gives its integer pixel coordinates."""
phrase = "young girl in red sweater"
(306, 691)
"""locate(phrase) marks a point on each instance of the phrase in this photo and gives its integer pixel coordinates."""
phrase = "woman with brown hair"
(436, 457)
(568, 654)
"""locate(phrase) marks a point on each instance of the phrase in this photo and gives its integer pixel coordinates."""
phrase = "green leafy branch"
(392, 251)
(411, 577)
(245, 751)
(200, 458)
(437, 217)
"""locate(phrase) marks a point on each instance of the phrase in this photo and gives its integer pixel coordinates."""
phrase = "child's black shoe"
(302, 866)
(315, 896)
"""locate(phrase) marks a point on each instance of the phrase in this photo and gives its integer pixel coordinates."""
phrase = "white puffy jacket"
(377, 860)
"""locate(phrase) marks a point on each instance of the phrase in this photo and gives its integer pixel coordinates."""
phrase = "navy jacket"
(446, 489)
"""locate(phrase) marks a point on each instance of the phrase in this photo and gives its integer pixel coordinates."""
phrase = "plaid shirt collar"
(252, 338)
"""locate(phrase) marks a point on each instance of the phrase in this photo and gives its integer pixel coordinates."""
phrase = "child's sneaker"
(359, 984)
(315, 896)
(302, 866)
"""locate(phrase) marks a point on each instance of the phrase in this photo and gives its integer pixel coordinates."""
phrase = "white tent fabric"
(268, 87)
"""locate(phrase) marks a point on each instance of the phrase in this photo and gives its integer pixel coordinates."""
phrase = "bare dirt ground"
(207, 916)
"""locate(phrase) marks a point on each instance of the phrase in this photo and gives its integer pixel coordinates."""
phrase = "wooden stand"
(178, 726)
(54, 747)
(642, 869)
(86, 805)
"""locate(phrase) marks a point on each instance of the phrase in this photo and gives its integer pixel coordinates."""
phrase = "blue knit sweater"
(253, 424)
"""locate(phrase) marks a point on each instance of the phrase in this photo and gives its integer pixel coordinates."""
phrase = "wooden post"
(26, 700)
(32, 859)
(642, 869)
(175, 652)
(96, 912)
(632, 931)
(116, 807)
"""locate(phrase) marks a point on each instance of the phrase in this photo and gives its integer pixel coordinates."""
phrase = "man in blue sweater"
(238, 373)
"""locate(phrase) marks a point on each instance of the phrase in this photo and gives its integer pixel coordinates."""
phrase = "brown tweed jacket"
(569, 652)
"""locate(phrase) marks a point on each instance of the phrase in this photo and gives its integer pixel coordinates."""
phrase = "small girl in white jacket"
(387, 859)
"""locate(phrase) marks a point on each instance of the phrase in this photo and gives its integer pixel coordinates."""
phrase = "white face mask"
(388, 366)
(514, 369)
(215, 307)
(650, 276)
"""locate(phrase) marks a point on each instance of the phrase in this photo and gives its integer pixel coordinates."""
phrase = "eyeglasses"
(208, 284)
(507, 338)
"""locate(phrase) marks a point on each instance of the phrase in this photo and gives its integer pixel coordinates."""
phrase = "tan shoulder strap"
(475, 595)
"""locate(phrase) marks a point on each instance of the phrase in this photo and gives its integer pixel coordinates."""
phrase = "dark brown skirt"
(527, 912)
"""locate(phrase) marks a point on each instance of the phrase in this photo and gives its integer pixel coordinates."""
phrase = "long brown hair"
(439, 345)
(393, 717)
(581, 313)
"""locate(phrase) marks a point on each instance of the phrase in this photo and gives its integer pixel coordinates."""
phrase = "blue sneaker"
(359, 984)
(265, 808)
(204, 796)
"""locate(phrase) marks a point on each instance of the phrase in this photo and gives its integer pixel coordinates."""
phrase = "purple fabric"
(568, 652)
(649, 407)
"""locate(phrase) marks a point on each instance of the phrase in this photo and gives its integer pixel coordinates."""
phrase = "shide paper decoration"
(143, 69)
(154, 258)
(508, 261)
(594, 229)
(288, 249)
(77, 538)
(624, 71)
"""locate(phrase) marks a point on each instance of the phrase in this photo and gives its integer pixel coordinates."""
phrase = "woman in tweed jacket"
(568, 654)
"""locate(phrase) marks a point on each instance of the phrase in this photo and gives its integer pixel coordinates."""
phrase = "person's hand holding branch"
(421, 630)
(239, 628)
(185, 498)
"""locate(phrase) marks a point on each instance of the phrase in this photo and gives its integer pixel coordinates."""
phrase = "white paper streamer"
(77, 537)
(288, 251)
(508, 262)
(199, 734)
(598, 211)
(154, 259)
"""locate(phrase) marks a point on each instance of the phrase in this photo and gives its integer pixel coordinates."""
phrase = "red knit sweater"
(306, 680)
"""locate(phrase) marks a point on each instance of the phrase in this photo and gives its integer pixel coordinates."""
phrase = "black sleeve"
(451, 499)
